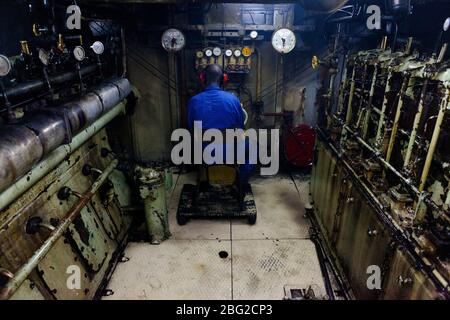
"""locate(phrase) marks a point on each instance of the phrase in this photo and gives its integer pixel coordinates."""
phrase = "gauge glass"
(446, 24)
(254, 34)
(283, 40)
(5, 66)
(98, 47)
(44, 56)
(79, 53)
(208, 53)
(237, 53)
(228, 52)
(217, 51)
(173, 40)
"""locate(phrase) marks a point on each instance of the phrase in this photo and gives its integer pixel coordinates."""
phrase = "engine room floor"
(223, 259)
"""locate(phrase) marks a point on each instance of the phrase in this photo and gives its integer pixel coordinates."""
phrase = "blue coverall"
(218, 109)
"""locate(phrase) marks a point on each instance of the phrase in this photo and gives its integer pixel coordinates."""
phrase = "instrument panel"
(233, 59)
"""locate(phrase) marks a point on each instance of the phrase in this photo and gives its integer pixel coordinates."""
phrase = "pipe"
(56, 157)
(387, 89)
(416, 123)
(397, 118)
(35, 86)
(22, 274)
(369, 104)
(53, 127)
(349, 115)
(434, 139)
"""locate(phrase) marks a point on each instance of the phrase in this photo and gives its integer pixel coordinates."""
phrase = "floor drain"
(223, 254)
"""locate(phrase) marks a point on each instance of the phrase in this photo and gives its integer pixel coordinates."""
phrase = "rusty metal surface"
(16, 247)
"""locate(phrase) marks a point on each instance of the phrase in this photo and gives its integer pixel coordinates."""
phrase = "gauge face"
(173, 40)
(237, 53)
(283, 40)
(254, 34)
(228, 53)
(247, 52)
(208, 52)
(79, 53)
(98, 47)
(199, 54)
(446, 25)
(44, 56)
(5, 66)
(217, 51)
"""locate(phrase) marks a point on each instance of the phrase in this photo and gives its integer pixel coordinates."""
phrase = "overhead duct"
(324, 6)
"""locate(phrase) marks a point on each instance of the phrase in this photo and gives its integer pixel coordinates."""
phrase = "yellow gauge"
(247, 52)
(199, 54)
(314, 62)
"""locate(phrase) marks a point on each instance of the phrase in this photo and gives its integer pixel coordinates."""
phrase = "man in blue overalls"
(218, 109)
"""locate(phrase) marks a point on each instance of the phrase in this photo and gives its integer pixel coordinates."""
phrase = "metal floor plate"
(262, 260)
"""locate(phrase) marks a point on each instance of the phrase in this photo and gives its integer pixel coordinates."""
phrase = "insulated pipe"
(369, 104)
(52, 127)
(22, 274)
(56, 157)
(35, 86)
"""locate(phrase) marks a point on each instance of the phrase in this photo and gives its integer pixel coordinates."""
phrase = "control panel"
(233, 59)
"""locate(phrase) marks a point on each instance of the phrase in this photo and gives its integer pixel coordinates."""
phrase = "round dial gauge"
(98, 47)
(44, 56)
(79, 53)
(247, 52)
(217, 51)
(199, 54)
(228, 52)
(173, 40)
(283, 40)
(5, 66)
(254, 34)
(208, 52)
(446, 25)
(237, 53)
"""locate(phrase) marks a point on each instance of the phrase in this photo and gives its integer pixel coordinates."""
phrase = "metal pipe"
(369, 104)
(342, 88)
(397, 118)
(416, 123)
(22, 274)
(35, 86)
(56, 157)
(348, 117)
(383, 107)
(445, 104)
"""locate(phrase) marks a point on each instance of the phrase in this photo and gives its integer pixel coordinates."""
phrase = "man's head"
(213, 75)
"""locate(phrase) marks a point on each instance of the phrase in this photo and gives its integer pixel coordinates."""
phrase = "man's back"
(216, 109)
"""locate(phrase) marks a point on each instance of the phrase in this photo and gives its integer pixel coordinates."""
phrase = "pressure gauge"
(254, 34)
(237, 53)
(199, 54)
(446, 25)
(228, 53)
(98, 47)
(44, 56)
(246, 52)
(283, 40)
(5, 66)
(173, 40)
(79, 53)
(208, 53)
(217, 51)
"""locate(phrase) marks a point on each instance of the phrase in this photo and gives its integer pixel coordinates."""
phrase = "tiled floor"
(262, 259)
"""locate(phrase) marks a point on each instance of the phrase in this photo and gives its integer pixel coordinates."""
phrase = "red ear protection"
(202, 78)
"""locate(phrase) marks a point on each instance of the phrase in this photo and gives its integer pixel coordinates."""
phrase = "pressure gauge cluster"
(173, 40)
(283, 40)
